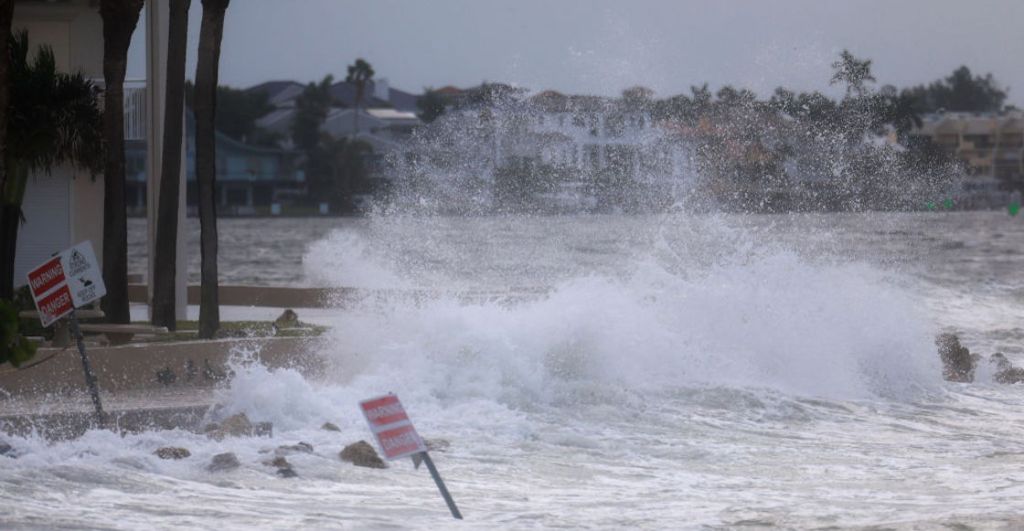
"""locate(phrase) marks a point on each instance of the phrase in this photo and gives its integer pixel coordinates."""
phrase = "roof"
(273, 88)
(449, 90)
(282, 93)
(392, 114)
(344, 93)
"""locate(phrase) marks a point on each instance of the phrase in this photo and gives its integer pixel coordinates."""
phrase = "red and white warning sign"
(389, 423)
(69, 280)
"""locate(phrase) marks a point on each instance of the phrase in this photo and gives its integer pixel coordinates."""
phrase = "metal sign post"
(90, 377)
(70, 279)
(397, 437)
(440, 485)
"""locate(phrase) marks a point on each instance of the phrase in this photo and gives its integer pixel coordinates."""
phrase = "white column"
(157, 16)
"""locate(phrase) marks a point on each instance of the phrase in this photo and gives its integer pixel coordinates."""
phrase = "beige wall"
(75, 32)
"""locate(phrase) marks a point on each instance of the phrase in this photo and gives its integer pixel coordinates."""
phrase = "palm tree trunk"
(119, 20)
(9, 214)
(166, 248)
(210, 33)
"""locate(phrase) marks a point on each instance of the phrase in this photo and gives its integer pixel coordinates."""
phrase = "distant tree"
(165, 249)
(494, 95)
(358, 74)
(701, 96)
(347, 163)
(311, 108)
(211, 32)
(852, 72)
(120, 17)
(960, 91)
(431, 104)
(53, 119)
(638, 98)
(237, 113)
(900, 110)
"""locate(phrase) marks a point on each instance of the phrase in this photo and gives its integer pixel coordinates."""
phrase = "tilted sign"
(394, 431)
(65, 282)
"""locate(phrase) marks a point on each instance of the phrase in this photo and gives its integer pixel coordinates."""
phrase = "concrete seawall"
(143, 386)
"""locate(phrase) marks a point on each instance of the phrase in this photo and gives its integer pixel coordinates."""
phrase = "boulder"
(1005, 372)
(172, 452)
(957, 362)
(328, 426)
(287, 319)
(223, 462)
(287, 472)
(362, 454)
(6, 449)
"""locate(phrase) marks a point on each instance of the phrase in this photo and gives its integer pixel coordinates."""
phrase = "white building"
(66, 206)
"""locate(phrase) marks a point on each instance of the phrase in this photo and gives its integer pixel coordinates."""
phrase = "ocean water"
(660, 372)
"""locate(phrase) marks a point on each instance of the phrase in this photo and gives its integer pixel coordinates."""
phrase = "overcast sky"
(604, 46)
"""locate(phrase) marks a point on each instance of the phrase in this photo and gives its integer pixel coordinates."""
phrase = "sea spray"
(760, 318)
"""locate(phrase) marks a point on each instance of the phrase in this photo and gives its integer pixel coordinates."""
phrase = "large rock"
(957, 362)
(287, 319)
(223, 462)
(1005, 372)
(6, 449)
(172, 452)
(362, 454)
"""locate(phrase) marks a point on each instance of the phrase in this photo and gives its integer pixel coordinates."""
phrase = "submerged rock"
(284, 468)
(238, 426)
(263, 429)
(6, 450)
(223, 462)
(328, 426)
(362, 454)
(437, 445)
(957, 362)
(300, 448)
(172, 452)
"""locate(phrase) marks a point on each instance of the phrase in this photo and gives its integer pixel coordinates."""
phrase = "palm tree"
(7, 249)
(358, 74)
(119, 20)
(211, 32)
(855, 73)
(53, 119)
(165, 250)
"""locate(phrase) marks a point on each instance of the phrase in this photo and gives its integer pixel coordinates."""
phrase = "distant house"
(250, 179)
(386, 116)
(990, 144)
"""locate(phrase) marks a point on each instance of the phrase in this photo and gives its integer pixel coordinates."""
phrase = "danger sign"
(65, 282)
(394, 431)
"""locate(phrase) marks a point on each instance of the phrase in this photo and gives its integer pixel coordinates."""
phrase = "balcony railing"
(134, 107)
(135, 110)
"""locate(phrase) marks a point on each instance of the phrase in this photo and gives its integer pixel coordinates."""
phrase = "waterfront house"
(991, 145)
